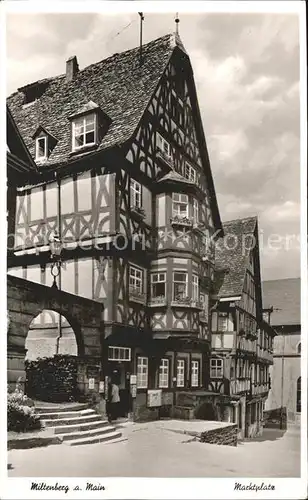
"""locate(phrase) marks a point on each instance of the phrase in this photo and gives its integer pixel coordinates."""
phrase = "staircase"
(77, 424)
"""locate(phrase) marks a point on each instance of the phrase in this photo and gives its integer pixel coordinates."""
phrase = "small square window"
(84, 131)
(190, 172)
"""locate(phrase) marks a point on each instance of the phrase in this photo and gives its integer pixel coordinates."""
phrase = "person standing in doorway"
(115, 400)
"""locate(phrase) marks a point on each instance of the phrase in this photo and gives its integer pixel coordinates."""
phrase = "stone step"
(71, 421)
(61, 408)
(79, 426)
(106, 437)
(107, 429)
(66, 414)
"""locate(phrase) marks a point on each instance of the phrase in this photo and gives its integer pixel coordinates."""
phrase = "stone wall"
(225, 435)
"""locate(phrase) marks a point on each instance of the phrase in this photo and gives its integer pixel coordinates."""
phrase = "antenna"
(141, 22)
(177, 20)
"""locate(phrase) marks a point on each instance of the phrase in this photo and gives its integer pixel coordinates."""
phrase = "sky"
(246, 69)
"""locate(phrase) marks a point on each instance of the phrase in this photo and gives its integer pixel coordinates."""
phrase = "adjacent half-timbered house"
(242, 342)
(125, 180)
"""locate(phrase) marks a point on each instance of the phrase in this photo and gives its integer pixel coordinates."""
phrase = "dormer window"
(41, 150)
(84, 131)
(190, 172)
(163, 145)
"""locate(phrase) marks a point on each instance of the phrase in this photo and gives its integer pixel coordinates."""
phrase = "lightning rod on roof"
(177, 20)
(141, 22)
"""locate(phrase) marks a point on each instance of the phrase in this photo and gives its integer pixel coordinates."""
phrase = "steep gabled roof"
(285, 297)
(118, 85)
(232, 256)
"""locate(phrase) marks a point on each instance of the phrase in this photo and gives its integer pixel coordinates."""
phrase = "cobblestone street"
(151, 450)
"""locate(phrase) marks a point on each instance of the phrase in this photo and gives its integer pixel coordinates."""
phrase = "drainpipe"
(59, 277)
(282, 377)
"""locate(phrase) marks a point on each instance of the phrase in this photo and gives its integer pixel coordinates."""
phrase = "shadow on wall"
(268, 435)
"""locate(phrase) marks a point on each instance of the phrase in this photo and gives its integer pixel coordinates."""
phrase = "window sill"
(138, 300)
(84, 149)
(161, 303)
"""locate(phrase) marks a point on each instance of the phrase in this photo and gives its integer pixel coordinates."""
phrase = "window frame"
(142, 377)
(180, 282)
(140, 279)
(161, 141)
(133, 192)
(166, 376)
(120, 349)
(188, 171)
(45, 139)
(179, 203)
(195, 288)
(183, 373)
(85, 144)
(214, 369)
(196, 363)
(221, 317)
(153, 283)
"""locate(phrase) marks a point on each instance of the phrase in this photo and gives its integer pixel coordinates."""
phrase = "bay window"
(142, 372)
(216, 368)
(222, 322)
(158, 285)
(180, 280)
(135, 279)
(163, 380)
(179, 205)
(84, 131)
(195, 288)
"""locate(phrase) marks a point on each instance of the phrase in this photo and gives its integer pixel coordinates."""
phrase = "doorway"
(119, 374)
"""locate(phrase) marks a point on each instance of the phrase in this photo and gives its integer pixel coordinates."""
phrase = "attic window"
(41, 149)
(84, 131)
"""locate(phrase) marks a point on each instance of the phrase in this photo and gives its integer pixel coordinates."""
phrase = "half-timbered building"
(242, 342)
(125, 180)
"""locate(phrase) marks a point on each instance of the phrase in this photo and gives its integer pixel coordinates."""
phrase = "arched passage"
(50, 333)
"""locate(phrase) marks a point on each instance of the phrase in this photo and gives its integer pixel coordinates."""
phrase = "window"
(164, 373)
(84, 131)
(142, 372)
(179, 205)
(194, 373)
(222, 322)
(216, 368)
(41, 148)
(180, 373)
(135, 194)
(189, 172)
(195, 287)
(119, 353)
(196, 211)
(162, 145)
(158, 285)
(298, 395)
(179, 285)
(136, 279)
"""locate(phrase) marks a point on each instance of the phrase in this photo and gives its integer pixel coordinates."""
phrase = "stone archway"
(26, 300)
(50, 333)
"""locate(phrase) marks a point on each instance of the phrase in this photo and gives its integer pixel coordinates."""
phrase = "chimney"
(72, 68)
